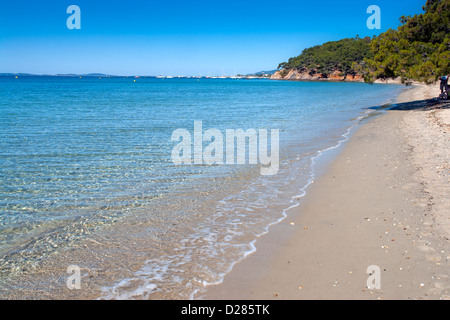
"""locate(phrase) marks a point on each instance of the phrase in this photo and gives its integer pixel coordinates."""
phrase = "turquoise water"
(81, 157)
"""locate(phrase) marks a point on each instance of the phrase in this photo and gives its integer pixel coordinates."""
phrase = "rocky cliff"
(311, 75)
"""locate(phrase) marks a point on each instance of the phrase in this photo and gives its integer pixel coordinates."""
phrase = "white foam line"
(295, 200)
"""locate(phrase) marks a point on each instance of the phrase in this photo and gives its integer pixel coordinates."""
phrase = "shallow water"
(89, 161)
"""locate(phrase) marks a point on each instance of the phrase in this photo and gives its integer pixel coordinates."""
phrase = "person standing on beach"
(444, 83)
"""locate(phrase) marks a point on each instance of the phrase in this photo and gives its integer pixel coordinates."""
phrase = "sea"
(87, 177)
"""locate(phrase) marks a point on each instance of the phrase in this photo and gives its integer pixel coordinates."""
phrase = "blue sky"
(171, 37)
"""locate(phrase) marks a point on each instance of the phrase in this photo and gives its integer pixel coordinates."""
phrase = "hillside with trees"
(331, 56)
(418, 50)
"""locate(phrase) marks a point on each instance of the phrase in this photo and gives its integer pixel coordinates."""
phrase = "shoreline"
(128, 259)
(378, 203)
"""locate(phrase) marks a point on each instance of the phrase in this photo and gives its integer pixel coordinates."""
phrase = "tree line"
(418, 50)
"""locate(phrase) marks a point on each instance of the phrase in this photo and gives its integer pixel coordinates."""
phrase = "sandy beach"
(384, 201)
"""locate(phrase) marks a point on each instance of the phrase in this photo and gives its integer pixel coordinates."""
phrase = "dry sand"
(384, 201)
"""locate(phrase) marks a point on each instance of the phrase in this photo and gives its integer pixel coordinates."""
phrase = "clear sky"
(172, 37)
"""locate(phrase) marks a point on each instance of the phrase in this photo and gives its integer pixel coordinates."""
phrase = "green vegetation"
(418, 50)
(332, 56)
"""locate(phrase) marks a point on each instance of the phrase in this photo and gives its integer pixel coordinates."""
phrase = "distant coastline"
(291, 75)
(256, 75)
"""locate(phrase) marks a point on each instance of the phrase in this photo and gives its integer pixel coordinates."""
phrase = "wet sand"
(384, 201)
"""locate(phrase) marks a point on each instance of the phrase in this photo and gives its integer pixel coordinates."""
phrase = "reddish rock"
(313, 75)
